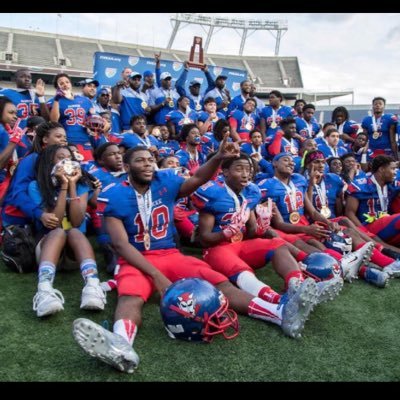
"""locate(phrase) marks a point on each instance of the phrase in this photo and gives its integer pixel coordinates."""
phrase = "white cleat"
(328, 290)
(393, 269)
(47, 300)
(104, 345)
(352, 262)
(298, 304)
(93, 296)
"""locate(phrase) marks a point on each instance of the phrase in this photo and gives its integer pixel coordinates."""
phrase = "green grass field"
(353, 338)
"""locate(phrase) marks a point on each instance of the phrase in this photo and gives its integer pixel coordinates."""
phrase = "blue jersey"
(249, 149)
(107, 177)
(72, 117)
(307, 129)
(203, 116)
(184, 157)
(268, 114)
(168, 148)
(349, 127)
(20, 150)
(119, 201)
(133, 103)
(383, 124)
(328, 151)
(37, 198)
(244, 123)
(358, 154)
(213, 198)
(157, 96)
(131, 139)
(275, 189)
(25, 100)
(178, 118)
(333, 189)
(236, 104)
(368, 198)
(219, 96)
(18, 208)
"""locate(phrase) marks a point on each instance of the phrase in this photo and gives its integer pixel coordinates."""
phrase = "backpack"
(18, 251)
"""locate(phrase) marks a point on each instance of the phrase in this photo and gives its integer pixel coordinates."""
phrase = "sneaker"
(107, 346)
(352, 262)
(376, 277)
(93, 296)
(393, 269)
(47, 300)
(298, 304)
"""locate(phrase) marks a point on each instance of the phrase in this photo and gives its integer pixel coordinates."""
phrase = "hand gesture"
(205, 68)
(264, 215)
(186, 65)
(256, 156)
(315, 175)
(97, 185)
(228, 149)
(75, 176)
(237, 222)
(40, 88)
(15, 133)
(157, 57)
(334, 226)
(317, 231)
(49, 220)
(61, 175)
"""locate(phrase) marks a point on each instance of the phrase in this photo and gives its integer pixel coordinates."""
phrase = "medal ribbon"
(383, 194)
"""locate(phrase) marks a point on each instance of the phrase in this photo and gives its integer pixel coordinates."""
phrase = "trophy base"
(196, 65)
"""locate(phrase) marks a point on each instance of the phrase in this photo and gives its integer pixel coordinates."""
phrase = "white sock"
(125, 328)
(248, 282)
(261, 309)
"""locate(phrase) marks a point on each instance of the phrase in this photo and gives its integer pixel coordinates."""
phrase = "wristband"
(364, 158)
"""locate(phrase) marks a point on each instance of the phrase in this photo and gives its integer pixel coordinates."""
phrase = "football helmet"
(321, 267)
(339, 242)
(95, 123)
(193, 309)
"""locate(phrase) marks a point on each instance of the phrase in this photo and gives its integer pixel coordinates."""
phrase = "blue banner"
(107, 70)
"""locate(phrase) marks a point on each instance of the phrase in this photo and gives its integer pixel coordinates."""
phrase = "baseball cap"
(280, 155)
(103, 91)
(147, 73)
(89, 80)
(135, 73)
(165, 75)
(221, 77)
(194, 82)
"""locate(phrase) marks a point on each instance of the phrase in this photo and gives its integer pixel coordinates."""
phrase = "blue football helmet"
(193, 309)
(322, 267)
(339, 242)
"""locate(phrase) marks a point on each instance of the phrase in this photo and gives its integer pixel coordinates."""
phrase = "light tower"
(243, 27)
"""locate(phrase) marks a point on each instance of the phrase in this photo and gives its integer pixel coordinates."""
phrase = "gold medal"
(198, 107)
(249, 126)
(294, 217)
(237, 238)
(273, 124)
(225, 109)
(187, 121)
(146, 240)
(143, 105)
(375, 135)
(326, 212)
(171, 104)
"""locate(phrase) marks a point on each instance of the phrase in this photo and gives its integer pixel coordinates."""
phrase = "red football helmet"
(95, 123)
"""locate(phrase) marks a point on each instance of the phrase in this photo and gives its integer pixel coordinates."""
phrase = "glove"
(238, 221)
(264, 214)
(15, 133)
(59, 95)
